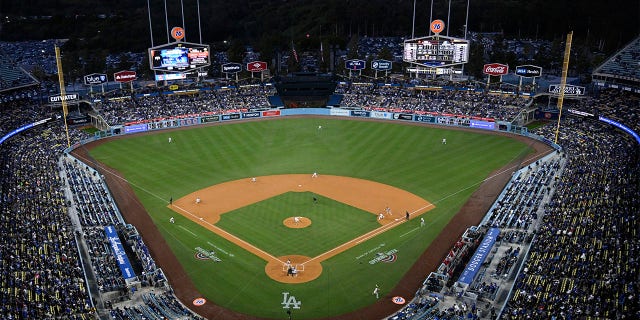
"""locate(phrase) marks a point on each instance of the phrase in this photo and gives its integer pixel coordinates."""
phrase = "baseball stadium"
(422, 194)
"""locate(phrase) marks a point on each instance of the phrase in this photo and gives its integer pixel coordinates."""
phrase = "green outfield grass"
(405, 156)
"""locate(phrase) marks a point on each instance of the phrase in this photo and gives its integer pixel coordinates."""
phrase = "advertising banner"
(69, 97)
(479, 256)
(119, 253)
(568, 89)
(95, 78)
(271, 113)
(482, 125)
(231, 67)
(360, 113)
(381, 115)
(207, 119)
(339, 112)
(255, 114)
(495, 69)
(230, 116)
(528, 71)
(256, 66)
(136, 128)
(354, 64)
(403, 116)
(124, 76)
(430, 119)
(381, 65)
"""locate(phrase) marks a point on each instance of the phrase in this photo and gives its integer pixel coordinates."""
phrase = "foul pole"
(563, 81)
(63, 94)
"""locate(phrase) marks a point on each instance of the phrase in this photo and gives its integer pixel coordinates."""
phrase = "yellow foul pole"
(63, 94)
(563, 81)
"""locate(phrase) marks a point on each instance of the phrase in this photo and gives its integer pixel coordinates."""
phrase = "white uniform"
(314, 175)
(376, 292)
(172, 220)
(170, 140)
(198, 200)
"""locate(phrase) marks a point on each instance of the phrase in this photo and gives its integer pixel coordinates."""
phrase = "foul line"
(358, 240)
(341, 248)
(266, 256)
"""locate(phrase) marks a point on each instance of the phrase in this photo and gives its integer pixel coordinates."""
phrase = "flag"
(293, 50)
(321, 52)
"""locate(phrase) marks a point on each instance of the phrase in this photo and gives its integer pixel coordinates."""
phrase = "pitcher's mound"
(305, 270)
(297, 222)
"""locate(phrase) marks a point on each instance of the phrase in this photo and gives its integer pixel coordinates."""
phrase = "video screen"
(170, 58)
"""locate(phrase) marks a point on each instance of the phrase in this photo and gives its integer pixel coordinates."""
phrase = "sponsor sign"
(177, 33)
(199, 301)
(354, 64)
(430, 119)
(255, 114)
(528, 71)
(360, 113)
(256, 66)
(403, 116)
(124, 76)
(136, 128)
(207, 119)
(381, 115)
(232, 67)
(188, 121)
(436, 26)
(231, 116)
(173, 87)
(78, 120)
(479, 256)
(381, 65)
(171, 76)
(621, 127)
(119, 253)
(482, 125)
(568, 89)
(95, 78)
(339, 112)
(67, 98)
(398, 300)
(271, 113)
(581, 113)
(495, 69)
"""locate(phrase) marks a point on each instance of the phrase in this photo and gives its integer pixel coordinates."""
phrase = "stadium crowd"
(412, 99)
(211, 99)
(582, 261)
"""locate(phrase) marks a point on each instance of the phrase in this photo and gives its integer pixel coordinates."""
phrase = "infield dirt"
(470, 214)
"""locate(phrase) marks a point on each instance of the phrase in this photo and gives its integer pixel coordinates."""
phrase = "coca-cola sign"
(495, 69)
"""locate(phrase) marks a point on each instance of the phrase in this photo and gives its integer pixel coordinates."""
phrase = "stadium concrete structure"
(541, 289)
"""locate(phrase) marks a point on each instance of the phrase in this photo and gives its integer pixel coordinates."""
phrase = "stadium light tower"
(413, 27)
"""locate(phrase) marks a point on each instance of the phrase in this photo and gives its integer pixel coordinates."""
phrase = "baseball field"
(232, 239)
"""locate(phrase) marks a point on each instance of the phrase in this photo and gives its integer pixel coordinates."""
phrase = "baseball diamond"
(324, 279)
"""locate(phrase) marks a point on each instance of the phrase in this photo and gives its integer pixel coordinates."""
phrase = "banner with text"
(118, 252)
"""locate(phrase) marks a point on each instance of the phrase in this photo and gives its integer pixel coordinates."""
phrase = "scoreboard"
(179, 57)
(436, 51)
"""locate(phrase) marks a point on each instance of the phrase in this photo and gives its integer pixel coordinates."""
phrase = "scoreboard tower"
(435, 54)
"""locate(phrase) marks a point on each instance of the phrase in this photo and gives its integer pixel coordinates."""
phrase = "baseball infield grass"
(404, 156)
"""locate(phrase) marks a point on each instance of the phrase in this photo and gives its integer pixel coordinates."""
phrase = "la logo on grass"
(290, 301)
